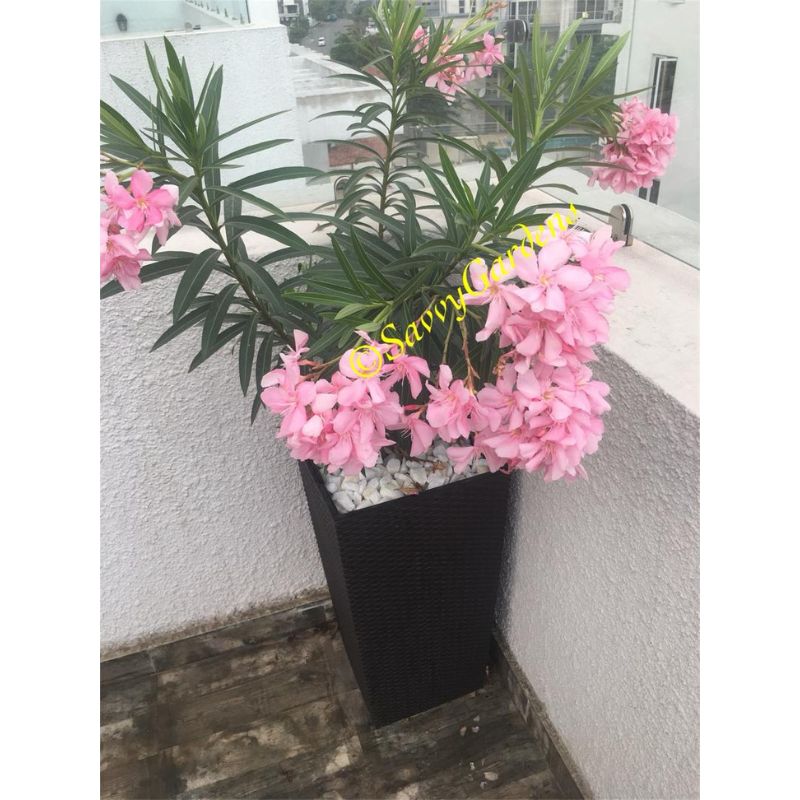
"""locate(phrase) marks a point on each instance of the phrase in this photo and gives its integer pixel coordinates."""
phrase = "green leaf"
(351, 309)
(347, 268)
(242, 127)
(258, 147)
(221, 341)
(369, 266)
(275, 175)
(186, 188)
(264, 285)
(268, 228)
(183, 324)
(193, 281)
(216, 316)
(247, 349)
(263, 363)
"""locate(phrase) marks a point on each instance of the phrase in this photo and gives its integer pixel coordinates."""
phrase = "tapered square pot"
(414, 583)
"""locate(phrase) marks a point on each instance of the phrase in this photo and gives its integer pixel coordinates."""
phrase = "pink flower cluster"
(641, 150)
(341, 422)
(544, 410)
(128, 215)
(457, 69)
(542, 413)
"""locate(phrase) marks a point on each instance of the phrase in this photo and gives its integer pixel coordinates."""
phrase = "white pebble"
(436, 480)
(393, 465)
(351, 482)
(418, 474)
(344, 502)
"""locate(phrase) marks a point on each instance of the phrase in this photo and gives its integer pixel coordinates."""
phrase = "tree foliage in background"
(402, 229)
(320, 9)
(353, 49)
(298, 29)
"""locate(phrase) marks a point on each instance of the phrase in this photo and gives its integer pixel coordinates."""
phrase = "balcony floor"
(263, 709)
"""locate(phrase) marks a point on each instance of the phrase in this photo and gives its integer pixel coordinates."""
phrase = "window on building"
(663, 81)
(462, 6)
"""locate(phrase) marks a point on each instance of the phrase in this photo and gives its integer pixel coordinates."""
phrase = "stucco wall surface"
(600, 596)
(203, 517)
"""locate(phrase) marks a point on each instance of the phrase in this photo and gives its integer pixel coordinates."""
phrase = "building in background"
(289, 11)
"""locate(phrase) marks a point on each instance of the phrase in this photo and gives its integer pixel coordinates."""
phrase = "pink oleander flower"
(450, 77)
(422, 435)
(116, 198)
(125, 221)
(287, 393)
(552, 229)
(607, 278)
(460, 457)
(450, 406)
(293, 354)
(481, 61)
(408, 368)
(146, 207)
(640, 151)
(120, 255)
(548, 274)
(503, 405)
(503, 300)
(456, 70)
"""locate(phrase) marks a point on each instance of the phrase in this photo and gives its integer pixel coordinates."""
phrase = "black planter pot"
(414, 583)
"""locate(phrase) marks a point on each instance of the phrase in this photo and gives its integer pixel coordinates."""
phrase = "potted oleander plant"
(439, 339)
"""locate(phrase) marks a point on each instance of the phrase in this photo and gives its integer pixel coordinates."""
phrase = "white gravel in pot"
(395, 476)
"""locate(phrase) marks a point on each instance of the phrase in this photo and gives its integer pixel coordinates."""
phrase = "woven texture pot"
(414, 583)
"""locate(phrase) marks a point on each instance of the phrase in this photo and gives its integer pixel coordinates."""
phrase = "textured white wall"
(600, 596)
(203, 517)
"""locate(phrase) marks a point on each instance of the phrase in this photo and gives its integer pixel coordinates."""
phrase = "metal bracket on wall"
(621, 220)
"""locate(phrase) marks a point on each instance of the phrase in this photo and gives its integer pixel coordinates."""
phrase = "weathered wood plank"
(225, 670)
(254, 711)
(131, 666)
(212, 766)
(239, 707)
(241, 636)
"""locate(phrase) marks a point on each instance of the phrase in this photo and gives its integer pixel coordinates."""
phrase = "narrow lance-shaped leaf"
(216, 316)
(183, 324)
(263, 363)
(193, 281)
(226, 336)
(247, 349)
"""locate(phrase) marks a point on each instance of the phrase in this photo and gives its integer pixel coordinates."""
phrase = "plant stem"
(387, 163)
(219, 239)
(471, 373)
